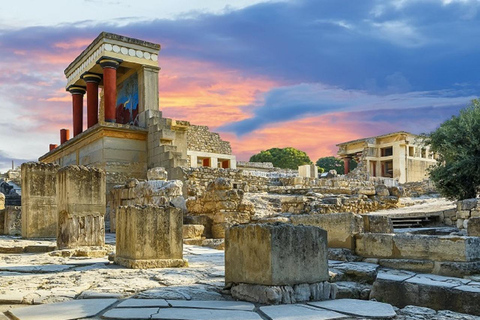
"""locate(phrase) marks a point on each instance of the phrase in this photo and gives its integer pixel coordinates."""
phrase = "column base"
(287, 294)
(151, 263)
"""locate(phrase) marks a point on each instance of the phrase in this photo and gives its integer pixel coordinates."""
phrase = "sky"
(307, 74)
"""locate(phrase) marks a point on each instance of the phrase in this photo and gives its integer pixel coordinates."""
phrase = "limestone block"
(157, 173)
(39, 203)
(382, 190)
(473, 227)
(369, 191)
(411, 246)
(463, 214)
(341, 227)
(275, 254)
(13, 220)
(377, 224)
(81, 199)
(460, 223)
(193, 231)
(149, 237)
(375, 245)
(467, 204)
(475, 213)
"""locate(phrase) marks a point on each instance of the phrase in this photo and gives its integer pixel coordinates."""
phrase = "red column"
(346, 165)
(64, 135)
(92, 81)
(52, 146)
(109, 66)
(77, 101)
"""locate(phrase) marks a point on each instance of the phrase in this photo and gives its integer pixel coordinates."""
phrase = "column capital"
(108, 62)
(91, 77)
(73, 89)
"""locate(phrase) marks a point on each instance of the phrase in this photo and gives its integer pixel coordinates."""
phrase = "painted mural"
(127, 101)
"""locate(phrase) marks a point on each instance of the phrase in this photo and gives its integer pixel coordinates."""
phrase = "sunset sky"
(307, 74)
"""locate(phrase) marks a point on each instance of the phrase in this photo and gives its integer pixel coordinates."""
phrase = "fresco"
(127, 101)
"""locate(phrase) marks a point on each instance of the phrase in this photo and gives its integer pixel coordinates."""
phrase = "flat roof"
(380, 136)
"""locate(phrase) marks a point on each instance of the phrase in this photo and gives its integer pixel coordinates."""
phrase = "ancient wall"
(466, 209)
(39, 204)
(200, 138)
(196, 180)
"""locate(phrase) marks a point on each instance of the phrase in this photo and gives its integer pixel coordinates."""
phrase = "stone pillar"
(149, 236)
(64, 135)
(13, 220)
(77, 102)
(92, 80)
(39, 205)
(147, 92)
(81, 200)
(109, 66)
(346, 165)
(277, 263)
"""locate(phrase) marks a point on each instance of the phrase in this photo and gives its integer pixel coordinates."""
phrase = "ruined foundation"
(270, 263)
(149, 236)
(81, 207)
(39, 206)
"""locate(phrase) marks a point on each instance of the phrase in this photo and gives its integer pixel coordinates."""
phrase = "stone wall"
(466, 209)
(196, 180)
(39, 204)
(199, 138)
(419, 188)
(220, 207)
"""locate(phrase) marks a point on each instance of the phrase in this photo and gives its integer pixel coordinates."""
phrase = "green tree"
(334, 163)
(457, 145)
(287, 158)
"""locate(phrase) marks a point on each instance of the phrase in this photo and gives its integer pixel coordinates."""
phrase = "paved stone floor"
(47, 285)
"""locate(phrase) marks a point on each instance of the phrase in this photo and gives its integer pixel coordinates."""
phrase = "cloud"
(305, 100)
(255, 71)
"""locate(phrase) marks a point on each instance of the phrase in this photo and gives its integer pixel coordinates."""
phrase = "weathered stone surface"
(352, 290)
(143, 303)
(287, 312)
(473, 227)
(284, 294)
(358, 271)
(149, 237)
(377, 224)
(205, 314)
(39, 204)
(81, 205)
(12, 220)
(275, 254)
(456, 269)
(341, 227)
(225, 305)
(426, 290)
(154, 192)
(193, 231)
(157, 173)
(130, 313)
(62, 311)
(424, 266)
(414, 246)
(370, 309)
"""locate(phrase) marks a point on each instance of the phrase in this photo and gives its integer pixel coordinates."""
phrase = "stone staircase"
(162, 149)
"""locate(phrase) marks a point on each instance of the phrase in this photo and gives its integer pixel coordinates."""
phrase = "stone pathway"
(94, 288)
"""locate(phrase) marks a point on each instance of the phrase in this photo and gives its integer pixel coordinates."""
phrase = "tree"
(334, 163)
(457, 145)
(287, 158)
